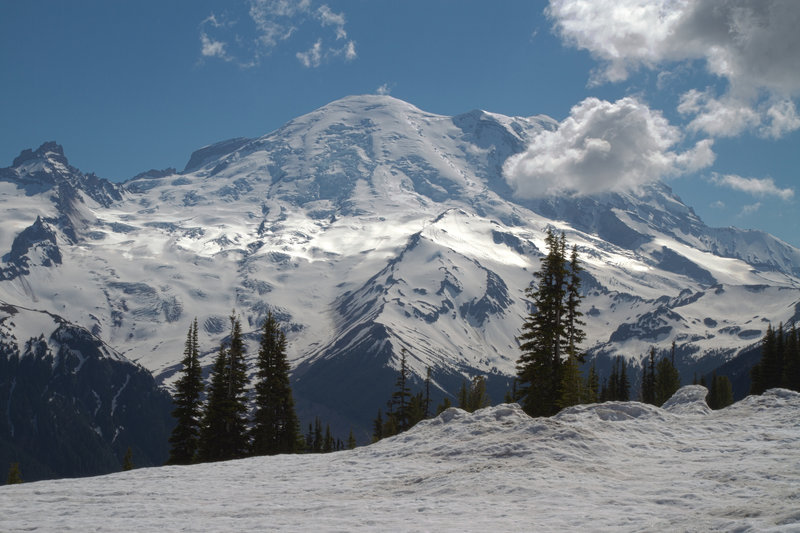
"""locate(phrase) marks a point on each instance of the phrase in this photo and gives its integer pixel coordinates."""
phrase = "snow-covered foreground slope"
(607, 467)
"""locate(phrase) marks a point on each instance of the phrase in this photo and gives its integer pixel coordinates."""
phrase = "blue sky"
(702, 94)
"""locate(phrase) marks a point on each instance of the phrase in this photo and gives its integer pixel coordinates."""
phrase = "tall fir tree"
(649, 378)
(667, 381)
(188, 404)
(401, 397)
(223, 434)
(721, 393)
(275, 426)
(551, 332)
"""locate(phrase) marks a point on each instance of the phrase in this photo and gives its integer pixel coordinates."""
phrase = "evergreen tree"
(319, 441)
(351, 440)
(223, 434)
(551, 331)
(377, 427)
(427, 410)
(127, 461)
(667, 381)
(444, 406)
(792, 361)
(511, 394)
(401, 397)
(328, 444)
(592, 386)
(474, 396)
(721, 393)
(649, 378)
(623, 385)
(275, 424)
(188, 406)
(572, 387)
(14, 475)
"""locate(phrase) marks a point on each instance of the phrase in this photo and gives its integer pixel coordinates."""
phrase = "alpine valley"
(367, 227)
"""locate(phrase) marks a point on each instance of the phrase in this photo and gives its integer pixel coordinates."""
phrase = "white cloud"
(212, 48)
(719, 204)
(750, 209)
(329, 18)
(312, 57)
(755, 186)
(384, 89)
(275, 22)
(603, 146)
(753, 44)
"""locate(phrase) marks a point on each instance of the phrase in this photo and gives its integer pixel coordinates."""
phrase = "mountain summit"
(369, 226)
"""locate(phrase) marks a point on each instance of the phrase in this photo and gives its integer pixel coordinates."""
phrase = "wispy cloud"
(760, 187)
(753, 44)
(274, 23)
(603, 146)
(750, 209)
(384, 89)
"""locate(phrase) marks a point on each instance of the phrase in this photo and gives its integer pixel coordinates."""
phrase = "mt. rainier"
(369, 226)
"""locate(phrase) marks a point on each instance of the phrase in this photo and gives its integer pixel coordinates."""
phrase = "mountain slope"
(367, 226)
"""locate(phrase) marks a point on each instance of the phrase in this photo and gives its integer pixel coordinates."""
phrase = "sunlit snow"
(607, 467)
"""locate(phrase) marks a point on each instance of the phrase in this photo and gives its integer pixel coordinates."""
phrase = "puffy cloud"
(384, 89)
(753, 44)
(603, 146)
(329, 18)
(212, 48)
(754, 186)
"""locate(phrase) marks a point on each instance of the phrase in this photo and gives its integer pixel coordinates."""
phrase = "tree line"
(220, 427)
(780, 361)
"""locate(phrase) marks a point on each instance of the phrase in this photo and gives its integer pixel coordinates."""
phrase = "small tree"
(649, 378)
(127, 461)
(14, 475)
(721, 393)
(667, 381)
(474, 396)
(401, 397)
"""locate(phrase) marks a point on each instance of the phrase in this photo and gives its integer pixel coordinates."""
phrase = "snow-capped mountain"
(369, 226)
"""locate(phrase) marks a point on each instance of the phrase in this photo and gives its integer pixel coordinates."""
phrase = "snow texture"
(619, 466)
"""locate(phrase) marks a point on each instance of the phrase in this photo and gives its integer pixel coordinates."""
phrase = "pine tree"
(377, 427)
(765, 373)
(721, 393)
(14, 476)
(401, 397)
(667, 381)
(328, 443)
(474, 396)
(427, 412)
(792, 361)
(127, 461)
(223, 434)
(188, 407)
(444, 406)
(592, 386)
(623, 385)
(351, 440)
(551, 331)
(275, 424)
(649, 378)
(572, 387)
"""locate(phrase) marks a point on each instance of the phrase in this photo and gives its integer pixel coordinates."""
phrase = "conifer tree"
(377, 427)
(443, 406)
(401, 397)
(721, 393)
(427, 410)
(552, 330)
(667, 381)
(127, 461)
(275, 425)
(592, 386)
(351, 440)
(474, 396)
(14, 476)
(223, 434)
(572, 388)
(623, 385)
(188, 406)
(792, 361)
(649, 378)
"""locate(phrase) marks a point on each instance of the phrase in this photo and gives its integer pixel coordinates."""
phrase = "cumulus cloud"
(603, 146)
(754, 186)
(384, 89)
(753, 44)
(275, 22)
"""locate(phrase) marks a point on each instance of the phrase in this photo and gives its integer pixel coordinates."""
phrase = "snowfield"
(604, 467)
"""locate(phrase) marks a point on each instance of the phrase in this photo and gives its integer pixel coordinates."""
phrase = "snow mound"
(690, 399)
(618, 466)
